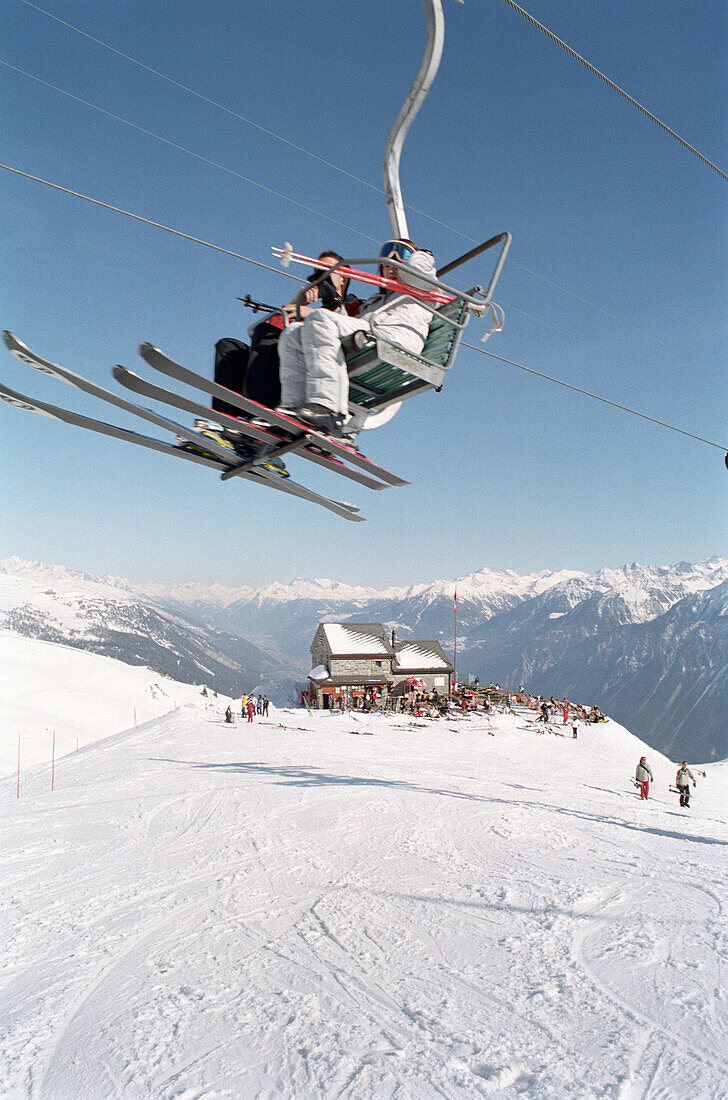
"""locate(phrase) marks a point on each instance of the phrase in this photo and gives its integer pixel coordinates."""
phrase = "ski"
(305, 435)
(22, 352)
(273, 444)
(56, 412)
(214, 456)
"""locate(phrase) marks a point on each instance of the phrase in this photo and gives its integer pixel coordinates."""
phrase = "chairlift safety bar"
(477, 300)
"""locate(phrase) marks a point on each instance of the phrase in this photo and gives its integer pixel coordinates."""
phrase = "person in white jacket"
(682, 782)
(314, 378)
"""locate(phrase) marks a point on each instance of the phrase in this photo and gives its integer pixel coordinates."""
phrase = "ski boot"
(236, 442)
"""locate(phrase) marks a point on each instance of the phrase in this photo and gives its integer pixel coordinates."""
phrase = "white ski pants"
(312, 363)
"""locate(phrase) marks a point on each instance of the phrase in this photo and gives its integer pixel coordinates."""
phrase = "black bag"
(231, 366)
(262, 379)
(252, 371)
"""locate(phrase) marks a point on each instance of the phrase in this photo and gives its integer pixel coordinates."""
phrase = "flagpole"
(455, 649)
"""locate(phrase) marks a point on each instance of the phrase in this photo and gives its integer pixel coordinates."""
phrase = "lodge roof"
(359, 641)
(417, 656)
(355, 639)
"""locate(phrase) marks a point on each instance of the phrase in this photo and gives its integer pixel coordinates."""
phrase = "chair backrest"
(442, 336)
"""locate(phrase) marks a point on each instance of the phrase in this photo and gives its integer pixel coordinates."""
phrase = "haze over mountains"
(111, 617)
(649, 644)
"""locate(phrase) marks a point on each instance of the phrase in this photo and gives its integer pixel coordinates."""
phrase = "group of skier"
(643, 777)
(250, 705)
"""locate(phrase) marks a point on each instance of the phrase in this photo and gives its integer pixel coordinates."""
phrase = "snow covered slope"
(295, 909)
(80, 696)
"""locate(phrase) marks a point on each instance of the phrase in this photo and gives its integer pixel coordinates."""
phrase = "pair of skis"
(272, 433)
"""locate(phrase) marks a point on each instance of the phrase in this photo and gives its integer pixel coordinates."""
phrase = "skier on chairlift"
(314, 378)
(252, 370)
(396, 325)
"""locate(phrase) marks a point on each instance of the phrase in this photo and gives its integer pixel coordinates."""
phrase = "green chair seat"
(375, 383)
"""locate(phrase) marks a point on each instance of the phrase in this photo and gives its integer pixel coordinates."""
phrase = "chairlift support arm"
(422, 83)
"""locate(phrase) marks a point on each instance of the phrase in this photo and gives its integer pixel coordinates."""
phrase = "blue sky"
(507, 470)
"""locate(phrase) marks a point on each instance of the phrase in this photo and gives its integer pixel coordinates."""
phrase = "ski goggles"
(397, 249)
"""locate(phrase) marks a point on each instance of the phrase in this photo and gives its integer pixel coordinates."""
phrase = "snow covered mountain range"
(649, 644)
(113, 618)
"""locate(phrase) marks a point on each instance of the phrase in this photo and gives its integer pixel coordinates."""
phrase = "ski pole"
(287, 257)
(251, 303)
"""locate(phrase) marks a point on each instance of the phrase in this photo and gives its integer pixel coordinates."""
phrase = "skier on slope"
(643, 775)
(314, 378)
(684, 775)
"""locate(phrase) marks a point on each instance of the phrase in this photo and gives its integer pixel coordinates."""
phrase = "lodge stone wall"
(319, 654)
(347, 666)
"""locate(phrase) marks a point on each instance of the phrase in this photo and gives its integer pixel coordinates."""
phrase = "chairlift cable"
(184, 149)
(343, 171)
(242, 118)
(615, 87)
(200, 95)
(596, 397)
(148, 221)
(591, 347)
(612, 316)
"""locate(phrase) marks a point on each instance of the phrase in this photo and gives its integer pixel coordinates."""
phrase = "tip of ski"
(209, 453)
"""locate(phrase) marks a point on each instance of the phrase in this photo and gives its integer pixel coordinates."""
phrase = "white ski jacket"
(402, 320)
(312, 364)
(643, 773)
(684, 775)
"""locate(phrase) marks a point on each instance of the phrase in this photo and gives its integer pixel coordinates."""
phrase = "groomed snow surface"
(49, 688)
(293, 908)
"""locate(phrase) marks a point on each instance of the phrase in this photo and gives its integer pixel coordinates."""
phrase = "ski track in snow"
(282, 910)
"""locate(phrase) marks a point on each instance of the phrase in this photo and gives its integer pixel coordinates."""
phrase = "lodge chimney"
(392, 639)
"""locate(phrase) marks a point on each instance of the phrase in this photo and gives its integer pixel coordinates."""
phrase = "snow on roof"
(347, 640)
(413, 656)
(319, 673)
